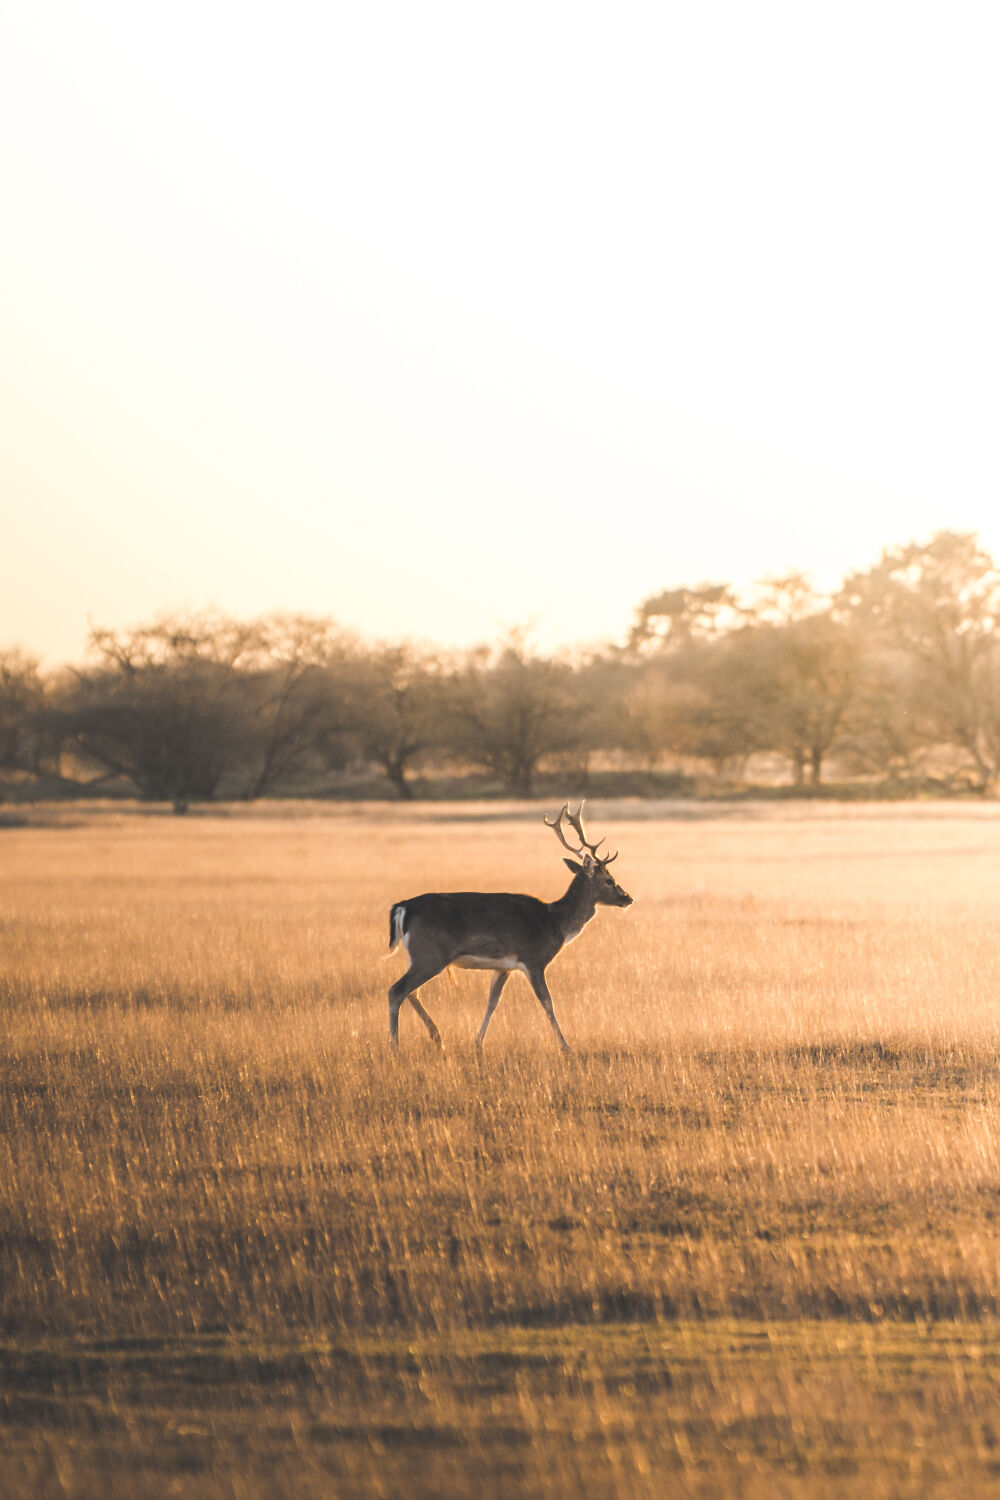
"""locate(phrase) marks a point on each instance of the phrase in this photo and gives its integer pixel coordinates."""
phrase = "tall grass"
(782, 1106)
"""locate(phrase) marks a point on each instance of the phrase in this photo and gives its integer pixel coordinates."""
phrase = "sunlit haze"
(442, 318)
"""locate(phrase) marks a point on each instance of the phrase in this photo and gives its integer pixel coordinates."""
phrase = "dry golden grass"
(745, 1241)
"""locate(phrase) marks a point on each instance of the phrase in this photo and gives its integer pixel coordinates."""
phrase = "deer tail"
(396, 917)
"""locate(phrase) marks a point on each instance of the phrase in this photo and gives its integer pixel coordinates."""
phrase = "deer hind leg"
(499, 980)
(435, 1034)
(406, 989)
(536, 978)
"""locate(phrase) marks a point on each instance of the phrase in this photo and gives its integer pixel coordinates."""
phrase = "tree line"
(894, 678)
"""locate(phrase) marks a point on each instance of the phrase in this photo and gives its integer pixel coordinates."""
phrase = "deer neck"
(574, 910)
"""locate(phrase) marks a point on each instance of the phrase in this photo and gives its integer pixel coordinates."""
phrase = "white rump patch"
(401, 936)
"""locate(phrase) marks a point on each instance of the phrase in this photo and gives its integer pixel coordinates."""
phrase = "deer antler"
(575, 820)
(556, 826)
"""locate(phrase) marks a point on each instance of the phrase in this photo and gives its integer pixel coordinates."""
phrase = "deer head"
(594, 867)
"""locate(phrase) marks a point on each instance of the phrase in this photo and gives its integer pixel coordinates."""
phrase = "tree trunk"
(395, 769)
(521, 781)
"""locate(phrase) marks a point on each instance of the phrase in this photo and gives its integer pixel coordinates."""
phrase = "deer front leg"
(499, 980)
(536, 978)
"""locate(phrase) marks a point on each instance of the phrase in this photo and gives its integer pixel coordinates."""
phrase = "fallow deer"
(493, 930)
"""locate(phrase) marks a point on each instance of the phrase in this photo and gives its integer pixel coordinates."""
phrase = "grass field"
(746, 1241)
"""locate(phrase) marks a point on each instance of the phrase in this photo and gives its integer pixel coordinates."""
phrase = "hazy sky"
(439, 318)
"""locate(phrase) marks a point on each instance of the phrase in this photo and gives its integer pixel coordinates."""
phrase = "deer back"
(486, 927)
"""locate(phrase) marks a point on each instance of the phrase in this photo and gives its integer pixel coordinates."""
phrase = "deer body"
(498, 931)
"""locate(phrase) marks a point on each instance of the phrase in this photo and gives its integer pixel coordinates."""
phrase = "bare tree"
(165, 706)
(880, 734)
(394, 699)
(509, 708)
(295, 703)
(936, 605)
(22, 716)
(676, 617)
(808, 673)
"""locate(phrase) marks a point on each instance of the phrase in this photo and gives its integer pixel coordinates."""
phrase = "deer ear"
(571, 864)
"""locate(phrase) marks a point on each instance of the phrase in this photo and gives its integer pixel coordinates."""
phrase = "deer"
(502, 932)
